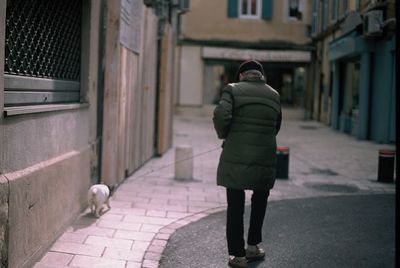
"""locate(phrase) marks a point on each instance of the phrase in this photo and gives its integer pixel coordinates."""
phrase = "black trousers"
(235, 224)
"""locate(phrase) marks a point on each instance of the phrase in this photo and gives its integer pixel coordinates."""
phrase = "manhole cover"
(308, 127)
(337, 188)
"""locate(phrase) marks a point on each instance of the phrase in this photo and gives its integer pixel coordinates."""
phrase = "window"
(295, 10)
(249, 9)
(42, 52)
(253, 9)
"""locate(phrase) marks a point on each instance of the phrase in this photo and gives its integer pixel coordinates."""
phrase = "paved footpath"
(150, 205)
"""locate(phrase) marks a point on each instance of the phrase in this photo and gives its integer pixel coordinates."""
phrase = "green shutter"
(233, 8)
(266, 9)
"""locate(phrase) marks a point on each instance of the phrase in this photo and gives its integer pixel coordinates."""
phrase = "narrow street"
(150, 206)
(337, 231)
(110, 96)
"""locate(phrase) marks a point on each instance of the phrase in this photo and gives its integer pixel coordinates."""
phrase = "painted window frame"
(300, 10)
(247, 16)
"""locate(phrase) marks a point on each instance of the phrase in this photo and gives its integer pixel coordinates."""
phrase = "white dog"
(98, 195)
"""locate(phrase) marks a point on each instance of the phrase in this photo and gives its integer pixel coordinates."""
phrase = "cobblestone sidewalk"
(150, 205)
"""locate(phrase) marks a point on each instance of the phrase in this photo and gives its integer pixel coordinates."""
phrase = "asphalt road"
(340, 231)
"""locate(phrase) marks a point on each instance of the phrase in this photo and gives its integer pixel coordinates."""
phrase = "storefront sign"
(260, 55)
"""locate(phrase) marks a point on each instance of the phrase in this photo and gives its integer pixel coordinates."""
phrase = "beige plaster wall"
(3, 220)
(208, 20)
(191, 76)
(44, 199)
(44, 166)
(3, 180)
(33, 138)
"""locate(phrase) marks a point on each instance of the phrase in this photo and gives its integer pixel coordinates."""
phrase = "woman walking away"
(248, 118)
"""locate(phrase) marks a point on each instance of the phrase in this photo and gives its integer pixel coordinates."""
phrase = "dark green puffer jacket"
(248, 118)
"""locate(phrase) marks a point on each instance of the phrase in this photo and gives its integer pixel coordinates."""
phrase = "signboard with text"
(260, 55)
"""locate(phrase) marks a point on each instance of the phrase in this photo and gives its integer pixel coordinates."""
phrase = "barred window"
(42, 52)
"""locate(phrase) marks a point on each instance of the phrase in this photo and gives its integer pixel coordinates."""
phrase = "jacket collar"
(253, 76)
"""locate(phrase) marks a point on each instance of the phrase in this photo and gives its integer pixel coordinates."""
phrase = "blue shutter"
(233, 8)
(266, 13)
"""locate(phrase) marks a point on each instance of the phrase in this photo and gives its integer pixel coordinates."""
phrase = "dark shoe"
(237, 262)
(254, 253)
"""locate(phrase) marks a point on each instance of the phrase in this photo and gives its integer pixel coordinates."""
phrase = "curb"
(157, 246)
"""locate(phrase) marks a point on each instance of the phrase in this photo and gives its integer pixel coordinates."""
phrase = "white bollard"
(183, 162)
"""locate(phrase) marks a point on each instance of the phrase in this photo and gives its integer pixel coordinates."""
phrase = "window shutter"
(266, 9)
(42, 62)
(233, 8)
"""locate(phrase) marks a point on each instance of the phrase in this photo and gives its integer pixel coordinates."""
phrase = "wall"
(34, 138)
(208, 21)
(138, 79)
(198, 24)
(316, 78)
(146, 105)
(129, 84)
(37, 150)
(191, 76)
(44, 199)
(326, 70)
(109, 171)
(130, 98)
(45, 162)
(4, 187)
(90, 80)
(4, 194)
(382, 91)
(165, 96)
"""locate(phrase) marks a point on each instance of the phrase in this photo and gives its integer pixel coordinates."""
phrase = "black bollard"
(282, 165)
(386, 165)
